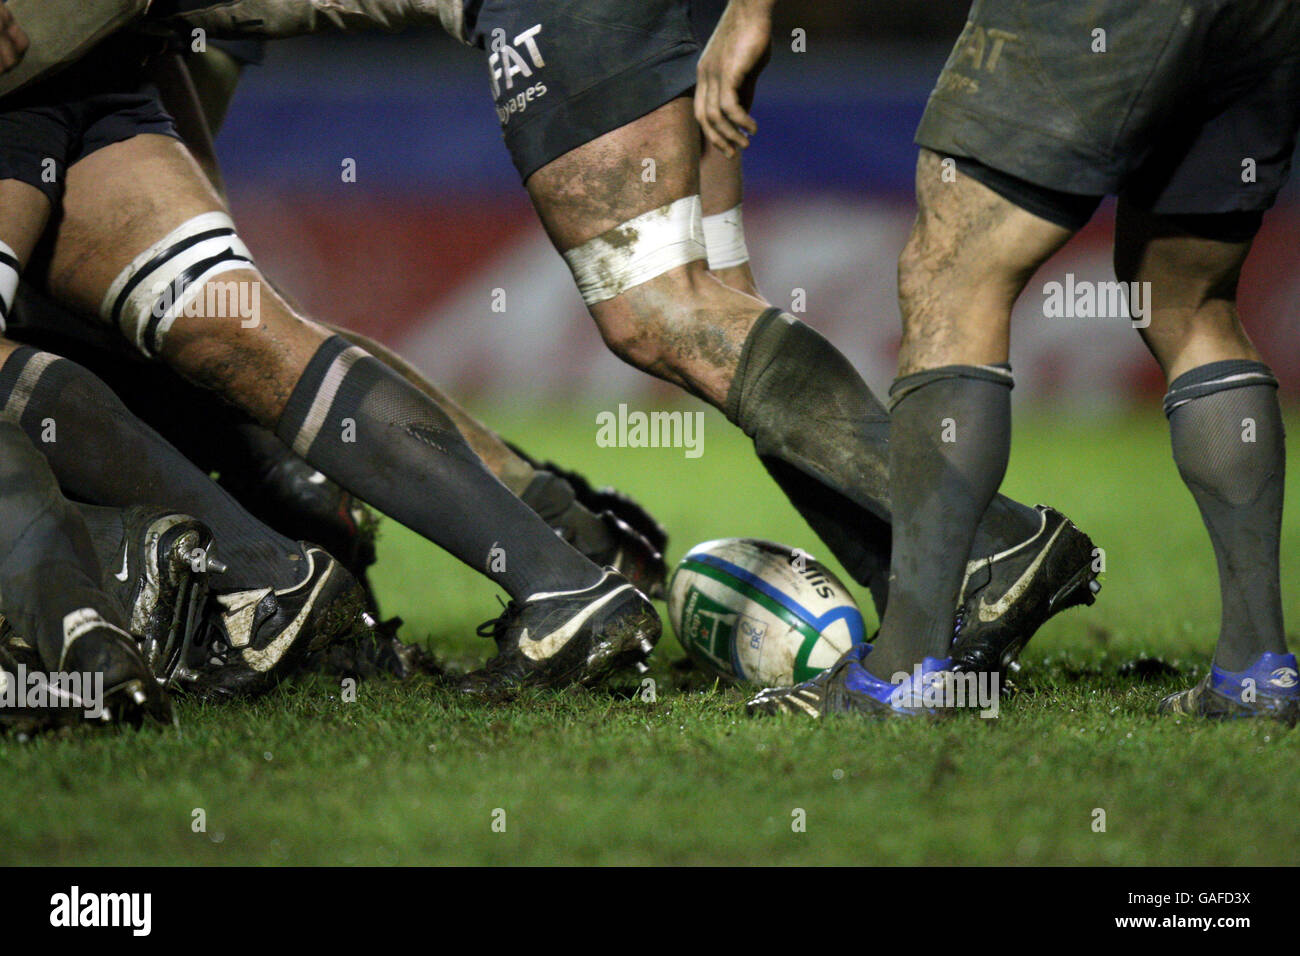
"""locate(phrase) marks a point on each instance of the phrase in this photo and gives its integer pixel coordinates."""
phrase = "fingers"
(700, 93)
(707, 113)
(13, 41)
(718, 111)
(741, 124)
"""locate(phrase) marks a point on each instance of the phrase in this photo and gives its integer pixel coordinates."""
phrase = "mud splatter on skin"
(961, 265)
(246, 377)
(678, 339)
(675, 327)
(598, 186)
(254, 369)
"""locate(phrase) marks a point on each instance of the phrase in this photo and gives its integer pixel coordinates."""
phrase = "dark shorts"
(1193, 108)
(564, 72)
(54, 124)
(705, 15)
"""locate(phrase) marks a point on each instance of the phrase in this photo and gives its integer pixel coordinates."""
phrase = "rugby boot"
(253, 638)
(1269, 688)
(846, 687)
(1006, 597)
(555, 639)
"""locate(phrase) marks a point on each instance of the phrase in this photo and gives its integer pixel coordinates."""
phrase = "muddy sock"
(1229, 445)
(805, 406)
(951, 438)
(374, 433)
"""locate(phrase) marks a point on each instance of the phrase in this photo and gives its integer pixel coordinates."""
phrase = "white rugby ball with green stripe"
(761, 613)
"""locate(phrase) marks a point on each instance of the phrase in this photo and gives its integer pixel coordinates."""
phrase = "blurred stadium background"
(412, 251)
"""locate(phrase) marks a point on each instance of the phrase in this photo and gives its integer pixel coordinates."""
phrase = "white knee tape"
(724, 237)
(638, 250)
(8, 282)
(149, 294)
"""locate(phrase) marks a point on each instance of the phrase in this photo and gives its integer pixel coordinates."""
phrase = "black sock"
(103, 454)
(807, 408)
(1229, 445)
(951, 438)
(374, 433)
(48, 568)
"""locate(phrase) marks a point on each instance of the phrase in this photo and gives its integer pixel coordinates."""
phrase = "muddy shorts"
(1180, 106)
(564, 72)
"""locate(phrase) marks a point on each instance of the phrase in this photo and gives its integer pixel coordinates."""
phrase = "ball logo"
(708, 627)
(752, 631)
(1283, 677)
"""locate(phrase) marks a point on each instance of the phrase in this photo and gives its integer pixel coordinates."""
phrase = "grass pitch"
(408, 774)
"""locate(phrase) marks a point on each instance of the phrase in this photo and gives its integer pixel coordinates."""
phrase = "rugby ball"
(761, 613)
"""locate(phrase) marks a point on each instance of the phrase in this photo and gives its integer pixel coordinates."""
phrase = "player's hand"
(738, 46)
(13, 41)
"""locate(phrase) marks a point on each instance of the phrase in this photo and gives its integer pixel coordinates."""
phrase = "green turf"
(406, 774)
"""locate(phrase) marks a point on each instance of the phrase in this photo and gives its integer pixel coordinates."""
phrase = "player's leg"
(103, 454)
(1226, 432)
(52, 596)
(345, 412)
(49, 575)
(814, 422)
(969, 255)
(352, 417)
(1185, 223)
(999, 104)
(610, 156)
(610, 529)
